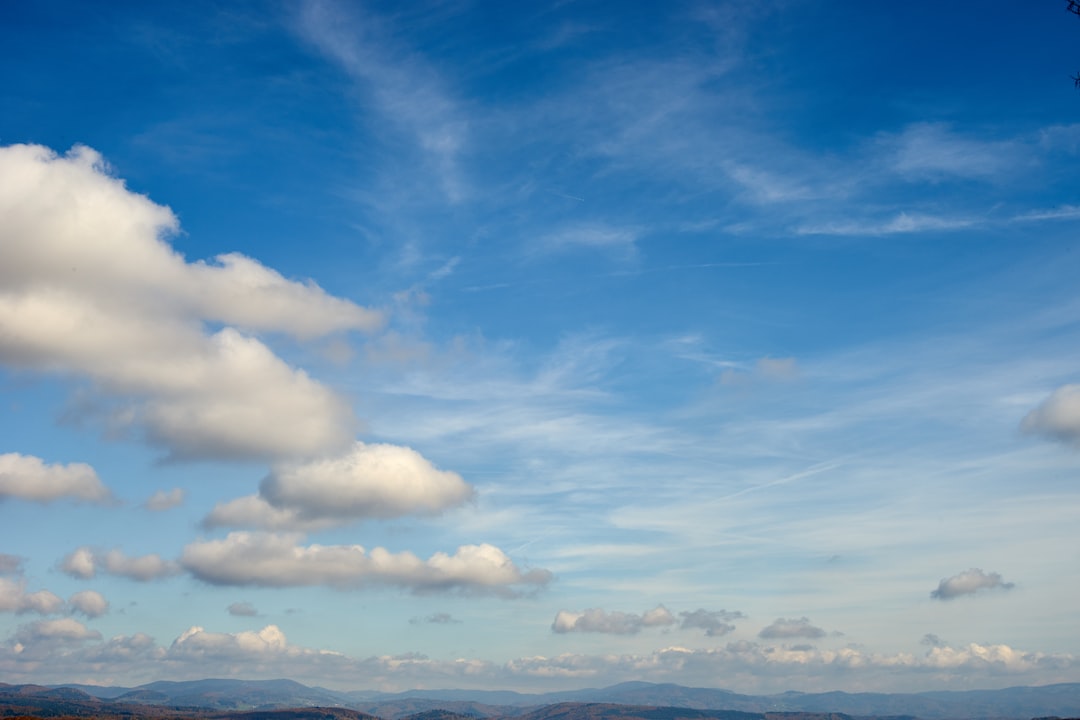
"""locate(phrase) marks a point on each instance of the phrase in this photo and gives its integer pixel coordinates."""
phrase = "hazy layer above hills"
(222, 695)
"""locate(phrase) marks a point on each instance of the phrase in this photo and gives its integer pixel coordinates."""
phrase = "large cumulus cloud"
(280, 560)
(89, 287)
(370, 481)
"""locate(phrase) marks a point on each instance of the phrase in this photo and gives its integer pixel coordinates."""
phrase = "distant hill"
(612, 711)
(234, 694)
(1061, 700)
(35, 701)
(42, 702)
(1020, 703)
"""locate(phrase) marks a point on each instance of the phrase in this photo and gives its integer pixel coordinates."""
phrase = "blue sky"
(451, 344)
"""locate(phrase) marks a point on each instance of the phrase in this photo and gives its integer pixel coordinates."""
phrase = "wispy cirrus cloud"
(406, 89)
(934, 151)
(899, 224)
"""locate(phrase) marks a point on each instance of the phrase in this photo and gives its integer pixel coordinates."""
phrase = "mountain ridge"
(1060, 699)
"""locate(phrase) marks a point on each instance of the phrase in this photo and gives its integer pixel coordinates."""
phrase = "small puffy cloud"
(968, 582)
(28, 478)
(597, 620)
(45, 640)
(15, 599)
(165, 499)
(440, 618)
(714, 622)
(279, 560)
(370, 481)
(90, 603)
(242, 609)
(79, 564)
(85, 563)
(783, 629)
(1058, 416)
(10, 564)
(90, 287)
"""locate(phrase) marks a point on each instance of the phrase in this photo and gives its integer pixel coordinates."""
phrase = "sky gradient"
(540, 346)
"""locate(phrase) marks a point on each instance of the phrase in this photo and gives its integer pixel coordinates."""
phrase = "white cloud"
(85, 563)
(968, 582)
(370, 481)
(29, 478)
(89, 287)
(783, 628)
(64, 630)
(264, 559)
(90, 603)
(253, 511)
(165, 499)
(15, 599)
(197, 641)
(10, 564)
(79, 564)
(597, 620)
(1058, 416)
(50, 640)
